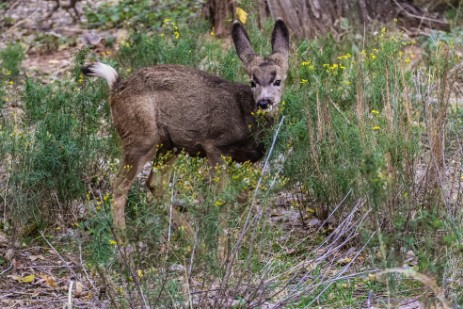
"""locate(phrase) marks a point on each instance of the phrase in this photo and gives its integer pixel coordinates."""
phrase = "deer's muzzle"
(265, 104)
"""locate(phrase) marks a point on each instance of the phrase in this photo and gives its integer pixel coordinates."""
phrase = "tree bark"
(218, 12)
(307, 18)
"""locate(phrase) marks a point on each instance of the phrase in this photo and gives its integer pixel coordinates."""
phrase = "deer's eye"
(253, 84)
(277, 83)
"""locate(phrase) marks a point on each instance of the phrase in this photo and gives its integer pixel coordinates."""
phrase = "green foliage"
(354, 130)
(50, 162)
(178, 44)
(140, 13)
(11, 57)
(10, 60)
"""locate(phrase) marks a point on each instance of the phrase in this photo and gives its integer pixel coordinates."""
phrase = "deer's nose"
(264, 104)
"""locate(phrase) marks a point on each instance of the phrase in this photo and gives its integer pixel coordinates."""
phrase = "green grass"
(361, 142)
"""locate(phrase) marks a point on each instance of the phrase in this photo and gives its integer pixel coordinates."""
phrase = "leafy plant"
(140, 13)
(55, 150)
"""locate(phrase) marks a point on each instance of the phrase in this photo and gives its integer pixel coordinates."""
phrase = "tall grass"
(376, 129)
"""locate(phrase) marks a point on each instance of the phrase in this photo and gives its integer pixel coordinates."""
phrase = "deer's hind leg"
(133, 161)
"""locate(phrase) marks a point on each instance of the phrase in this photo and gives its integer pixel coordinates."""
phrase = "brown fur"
(173, 107)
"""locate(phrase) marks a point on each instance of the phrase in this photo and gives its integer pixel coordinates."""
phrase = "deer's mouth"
(265, 104)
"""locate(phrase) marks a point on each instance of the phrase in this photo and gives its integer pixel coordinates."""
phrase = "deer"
(171, 107)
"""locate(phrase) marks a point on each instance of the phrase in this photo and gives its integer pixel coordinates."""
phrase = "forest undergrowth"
(357, 202)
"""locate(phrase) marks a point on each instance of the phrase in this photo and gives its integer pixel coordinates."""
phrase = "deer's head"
(267, 74)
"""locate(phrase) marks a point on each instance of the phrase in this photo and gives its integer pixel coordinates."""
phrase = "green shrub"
(140, 14)
(10, 60)
(57, 149)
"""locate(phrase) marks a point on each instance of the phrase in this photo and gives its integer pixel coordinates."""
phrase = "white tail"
(102, 70)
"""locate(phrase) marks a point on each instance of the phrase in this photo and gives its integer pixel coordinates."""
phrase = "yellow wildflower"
(242, 15)
(305, 63)
(107, 197)
(304, 81)
(112, 242)
(219, 203)
(308, 64)
(376, 128)
(345, 57)
(333, 67)
(374, 112)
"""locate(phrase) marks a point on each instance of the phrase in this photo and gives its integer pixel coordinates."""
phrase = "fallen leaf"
(14, 277)
(36, 257)
(48, 280)
(344, 261)
(28, 279)
(79, 290)
(25, 279)
(79, 286)
(310, 210)
(51, 282)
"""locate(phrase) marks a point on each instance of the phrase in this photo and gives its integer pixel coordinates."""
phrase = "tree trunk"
(307, 18)
(218, 12)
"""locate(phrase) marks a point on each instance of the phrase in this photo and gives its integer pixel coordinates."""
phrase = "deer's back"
(186, 108)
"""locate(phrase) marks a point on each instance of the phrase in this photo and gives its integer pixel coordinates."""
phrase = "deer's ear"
(280, 38)
(242, 43)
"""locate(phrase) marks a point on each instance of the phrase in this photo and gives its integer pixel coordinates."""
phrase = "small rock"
(9, 254)
(91, 38)
(314, 222)
(3, 239)
(177, 268)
